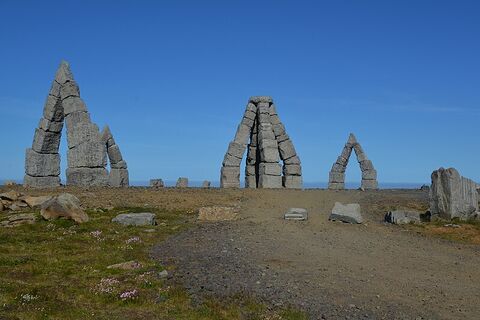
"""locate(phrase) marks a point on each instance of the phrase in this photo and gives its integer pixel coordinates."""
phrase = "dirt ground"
(329, 269)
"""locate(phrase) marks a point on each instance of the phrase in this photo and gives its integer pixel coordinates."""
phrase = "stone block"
(53, 109)
(136, 219)
(88, 154)
(251, 107)
(250, 170)
(63, 73)
(236, 149)
(252, 153)
(342, 161)
(287, 150)
(231, 161)
(292, 182)
(46, 142)
(250, 182)
(349, 213)
(243, 134)
(361, 157)
(279, 129)
(41, 164)
(336, 185)
(182, 182)
(157, 183)
(230, 177)
(369, 175)
(268, 143)
(283, 137)
(298, 214)
(403, 217)
(274, 119)
(55, 89)
(366, 165)
(272, 110)
(114, 154)
(77, 117)
(272, 169)
(292, 160)
(292, 170)
(119, 165)
(118, 178)
(258, 99)
(453, 196)
(346, 152)
(247, 122)
(73, 104)
(50, 126)
(369, 184)
(206, 184)
(250, 115)
(41, 182)
(270, 155)
(266, 134)
(87, 177)
(269, 182)
(82, 133)
(338, 168)
(336, 177)
(69, 89)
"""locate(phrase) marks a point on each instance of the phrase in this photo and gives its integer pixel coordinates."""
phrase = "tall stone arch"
(336, 179)
(86, 154)
(264, 137)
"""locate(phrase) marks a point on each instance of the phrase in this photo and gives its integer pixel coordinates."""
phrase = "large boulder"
(65, 206)
(403, 216)
(453, 196)
(136, 219)
(349, 213)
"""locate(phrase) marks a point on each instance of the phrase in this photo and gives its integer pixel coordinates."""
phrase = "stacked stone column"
(337, 173)
(263, 135)
(118, 176)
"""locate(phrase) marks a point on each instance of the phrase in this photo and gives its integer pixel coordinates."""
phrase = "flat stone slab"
(349, 213)
(403, 216)
(298, 214)
(136, 219)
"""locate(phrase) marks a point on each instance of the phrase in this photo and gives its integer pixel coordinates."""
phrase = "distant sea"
(306, 185)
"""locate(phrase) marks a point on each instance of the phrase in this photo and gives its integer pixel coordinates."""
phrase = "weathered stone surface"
(231, 161)
(217, 213)
(366, 165)
(76, 117)
(292, 160)
(270, 155)
(18, 219)
(251, 107)
(118, 178)
(41, 164)
(299, 214)
(250, 114)
(336, 185)
(268, 143)
(230, 177)
(349, 213)
(69, 89)
(273, 169)
(403, 216)
(81, 133)
(63, 73)
(453, 196)
(369, 184)
(292, 170)
(157, 183)
(243, 134)
(65, 206)
(114, 154)
(206, 184)
(73, 104)
(41, 182)
(182, 182)
(50, 126)
(236, 149)
(119, 165)
(266, 134)
(136, 219)
(251, 182)
(258, 99)
(337, 177)
(34, 202)
(87, 177)
(369, 174)
(287, 150)
(269, 182)
(55, 89)
(88, 154)
(250, 170)
(11, 195)
(53, 109)
(46, 142)
(292, 182)
(128, 265)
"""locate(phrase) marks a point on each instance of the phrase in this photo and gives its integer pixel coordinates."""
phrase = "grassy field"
(58, 270)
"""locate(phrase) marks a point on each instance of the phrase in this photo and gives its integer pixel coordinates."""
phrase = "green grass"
(58, 270)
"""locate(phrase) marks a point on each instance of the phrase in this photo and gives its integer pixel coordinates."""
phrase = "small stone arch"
(336, 179)
(264, 137)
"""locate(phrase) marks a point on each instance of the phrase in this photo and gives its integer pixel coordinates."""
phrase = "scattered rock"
(403, 217)
(453, 196)
(349, 213)
(19, 219)
(206, 184)
(129, 265)
(34, 202)
(135, 219)
(182, 182)
(452, 225)
(296, 214)
(11, 195)
(65, 206)
(217, 213)
(163, 274)
(157, 183)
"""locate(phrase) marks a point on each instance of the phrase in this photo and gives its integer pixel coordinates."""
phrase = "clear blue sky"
(172, 79)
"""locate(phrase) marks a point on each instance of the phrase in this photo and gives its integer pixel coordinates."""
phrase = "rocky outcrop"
(118, 176)
(65, 206)
(453, 196)
(264, 137)
(336, 179)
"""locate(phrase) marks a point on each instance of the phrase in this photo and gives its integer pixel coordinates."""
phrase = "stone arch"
(336, 179)
(86, 154)
(264, 137)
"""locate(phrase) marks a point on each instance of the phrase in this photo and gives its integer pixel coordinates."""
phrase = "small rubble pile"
(336, 179)
(118, 176)
(453, 196)
(268, 143)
